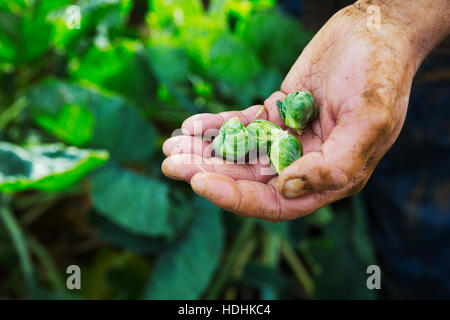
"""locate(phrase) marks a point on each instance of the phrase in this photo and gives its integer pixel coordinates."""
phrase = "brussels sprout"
(283, 151)
(233, 141)
(297, 110)
(264, 132)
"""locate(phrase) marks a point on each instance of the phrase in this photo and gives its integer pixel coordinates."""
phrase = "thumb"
(344, 153)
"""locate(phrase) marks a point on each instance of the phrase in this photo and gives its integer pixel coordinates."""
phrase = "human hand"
(361, 80)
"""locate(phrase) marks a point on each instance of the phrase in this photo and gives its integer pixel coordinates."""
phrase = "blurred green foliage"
(118, 82)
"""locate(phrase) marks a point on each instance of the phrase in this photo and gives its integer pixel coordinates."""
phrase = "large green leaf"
(9, 36)
(25, 34)
(121, 129)
(180, 214)
(50, 167)
(199, 36)
(137, 203)
(121, 67)
(110, 232)
(73, 124)
(117, 125)
(276, 38)
(232, 61)
(169, 63)
(264, 84)
(185, 270)
(97, 17)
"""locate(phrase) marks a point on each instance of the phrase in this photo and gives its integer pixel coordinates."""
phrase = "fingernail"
(294, 188)
(219, 189)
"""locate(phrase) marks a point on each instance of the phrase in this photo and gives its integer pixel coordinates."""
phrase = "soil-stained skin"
(380, 92)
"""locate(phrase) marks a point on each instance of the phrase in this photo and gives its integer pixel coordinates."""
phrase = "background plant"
(118, 86)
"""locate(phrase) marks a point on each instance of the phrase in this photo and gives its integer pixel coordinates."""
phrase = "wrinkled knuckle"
(277, 211)
(340, 178)
(254, 175)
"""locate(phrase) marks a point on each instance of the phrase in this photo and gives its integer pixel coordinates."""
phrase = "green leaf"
(277, 39)
(262, 86)
(73, 124)
(199, 36)
(176, 12)
(169, 63)
(25, 34)
(121, 129)
(121, 67)
(50, 167)
(268, 82)
(98, 17)
(232, 61)
(9, 36)
(185, 270)
(110, 232)
(118, 126)
(136, 203)
(180, 216)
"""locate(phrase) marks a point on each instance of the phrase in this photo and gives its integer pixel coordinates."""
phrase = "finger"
(343, 155)
(254, 199)
(195, 145)
(200, 123)
(185, 166)
(189, 145)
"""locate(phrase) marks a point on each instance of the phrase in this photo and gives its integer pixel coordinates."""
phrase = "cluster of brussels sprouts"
(235, 140)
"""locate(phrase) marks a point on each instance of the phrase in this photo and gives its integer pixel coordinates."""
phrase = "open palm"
(361, 80)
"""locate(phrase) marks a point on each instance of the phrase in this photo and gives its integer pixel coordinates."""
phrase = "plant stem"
(271, 248)
(224, 272)
(18, 240)
(12, 112)
(271, 254)
(47, 261)
(243, 257)
(297, 267)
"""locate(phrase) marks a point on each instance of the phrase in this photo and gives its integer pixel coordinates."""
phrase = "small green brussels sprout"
(297, 110)
(283, 151)
(233, 141)
(264, 132)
